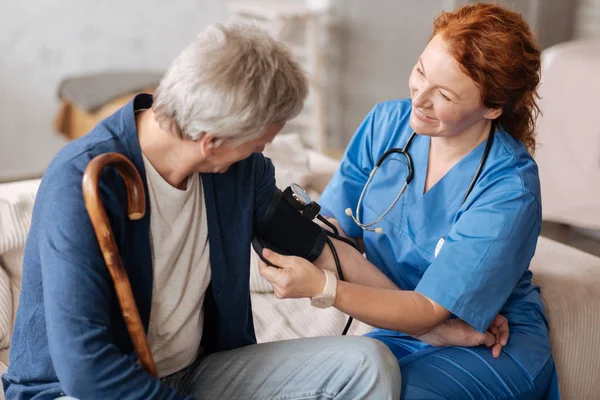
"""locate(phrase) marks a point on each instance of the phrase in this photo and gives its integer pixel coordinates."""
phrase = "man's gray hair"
(232, 82)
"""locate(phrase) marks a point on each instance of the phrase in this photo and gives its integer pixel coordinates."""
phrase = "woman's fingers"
(489, 339)
(274, 258)
(496, 350)
(271, 274)
(502, 329)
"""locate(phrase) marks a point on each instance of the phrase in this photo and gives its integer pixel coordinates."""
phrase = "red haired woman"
(448, 220)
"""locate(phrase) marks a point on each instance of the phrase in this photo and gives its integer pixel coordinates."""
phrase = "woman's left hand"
(455, 332)
(296, 277)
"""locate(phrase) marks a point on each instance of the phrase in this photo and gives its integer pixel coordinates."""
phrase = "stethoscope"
(409, 177)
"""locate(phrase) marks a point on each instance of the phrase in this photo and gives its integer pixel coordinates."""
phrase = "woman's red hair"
(497, 49)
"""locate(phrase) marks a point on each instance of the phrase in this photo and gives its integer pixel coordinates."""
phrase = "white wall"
(380, 42)
(374, 45)
(43, 41)
(588, 19)
(382, 39)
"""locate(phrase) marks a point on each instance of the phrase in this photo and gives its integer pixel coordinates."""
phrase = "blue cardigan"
(70, 336)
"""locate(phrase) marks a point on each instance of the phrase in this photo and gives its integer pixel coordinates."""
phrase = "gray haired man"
(197, 145)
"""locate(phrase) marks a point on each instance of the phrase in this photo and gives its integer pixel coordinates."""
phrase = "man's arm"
(78, 294)
(264, 184)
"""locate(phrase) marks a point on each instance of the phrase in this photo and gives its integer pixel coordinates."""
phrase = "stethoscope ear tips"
(348, 212)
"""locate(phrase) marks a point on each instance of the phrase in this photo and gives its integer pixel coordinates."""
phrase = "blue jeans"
(313, 368)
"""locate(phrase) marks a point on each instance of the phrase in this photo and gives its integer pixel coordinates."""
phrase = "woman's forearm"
(399, 310)
(371, 297)
(355, 267)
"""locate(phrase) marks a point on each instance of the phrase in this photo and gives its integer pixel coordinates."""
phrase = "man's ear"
(207, 144)
(493, 113)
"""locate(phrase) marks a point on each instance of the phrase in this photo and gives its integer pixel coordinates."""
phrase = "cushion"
(276, 319)
(568, 155)
(16, 205)
(570, 287)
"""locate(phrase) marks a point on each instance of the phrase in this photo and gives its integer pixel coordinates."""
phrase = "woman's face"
(445, 101)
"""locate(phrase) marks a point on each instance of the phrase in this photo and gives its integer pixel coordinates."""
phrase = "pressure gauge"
(300, 194)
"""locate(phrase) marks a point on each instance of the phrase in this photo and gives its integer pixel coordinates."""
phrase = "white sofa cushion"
(568, 154)
(16, 205)
(276, 319)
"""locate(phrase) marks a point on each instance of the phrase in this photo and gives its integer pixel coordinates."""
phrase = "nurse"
(436, 258)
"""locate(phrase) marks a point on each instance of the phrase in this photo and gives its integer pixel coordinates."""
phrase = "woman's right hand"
(455, 332)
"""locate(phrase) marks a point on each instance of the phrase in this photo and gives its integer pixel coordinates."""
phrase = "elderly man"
(197, 146)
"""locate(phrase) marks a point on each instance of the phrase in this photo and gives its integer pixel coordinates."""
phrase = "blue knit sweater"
(70, 336)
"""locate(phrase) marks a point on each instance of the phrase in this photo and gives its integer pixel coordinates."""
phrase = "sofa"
(568, 154)
(570, 280)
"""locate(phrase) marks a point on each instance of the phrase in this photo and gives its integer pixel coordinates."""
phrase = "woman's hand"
(296, 277)
(455, 332)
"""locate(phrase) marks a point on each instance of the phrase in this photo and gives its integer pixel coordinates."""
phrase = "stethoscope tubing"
(404, 151)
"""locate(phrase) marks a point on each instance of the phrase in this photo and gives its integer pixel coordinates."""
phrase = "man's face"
(224, 153)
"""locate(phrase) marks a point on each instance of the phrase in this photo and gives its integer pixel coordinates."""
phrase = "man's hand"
(455, 332)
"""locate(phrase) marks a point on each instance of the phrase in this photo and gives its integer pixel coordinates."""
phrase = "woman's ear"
(493, 113)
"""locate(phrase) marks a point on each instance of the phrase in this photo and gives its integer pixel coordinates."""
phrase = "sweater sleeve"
(77, 295)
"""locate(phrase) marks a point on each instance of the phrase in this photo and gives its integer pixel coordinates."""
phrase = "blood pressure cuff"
(284, 230)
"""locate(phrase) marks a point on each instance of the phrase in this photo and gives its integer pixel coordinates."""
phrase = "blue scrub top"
(472, 257)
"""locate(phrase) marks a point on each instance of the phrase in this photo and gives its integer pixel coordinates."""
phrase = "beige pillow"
(16, 206)
(570, 287)
(290, 158)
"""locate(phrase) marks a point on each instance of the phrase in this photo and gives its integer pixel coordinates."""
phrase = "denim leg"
(312, 368)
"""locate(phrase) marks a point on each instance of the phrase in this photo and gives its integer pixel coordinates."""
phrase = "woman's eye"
(444, 96)
(419, 71)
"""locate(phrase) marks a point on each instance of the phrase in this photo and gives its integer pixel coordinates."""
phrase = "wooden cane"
(136, 208)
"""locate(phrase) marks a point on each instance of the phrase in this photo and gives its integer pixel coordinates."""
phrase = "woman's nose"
(420, 97)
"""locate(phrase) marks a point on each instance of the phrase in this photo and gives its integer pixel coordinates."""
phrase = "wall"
(371, 48)
(588, 19)
(43, 41)
(380, 42)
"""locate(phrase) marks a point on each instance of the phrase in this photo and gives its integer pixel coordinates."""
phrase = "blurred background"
(68, 63)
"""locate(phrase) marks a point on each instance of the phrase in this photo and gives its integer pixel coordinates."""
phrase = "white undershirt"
(180, 258)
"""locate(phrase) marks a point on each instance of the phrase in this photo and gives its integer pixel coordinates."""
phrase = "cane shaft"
(106, 240)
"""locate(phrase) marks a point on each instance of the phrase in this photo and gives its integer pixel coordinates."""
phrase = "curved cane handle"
(136, 208)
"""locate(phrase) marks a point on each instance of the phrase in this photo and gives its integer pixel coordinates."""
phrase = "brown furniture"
(73, 121)
(88, 99)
